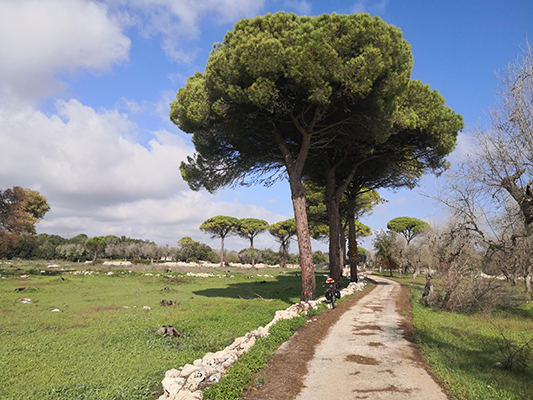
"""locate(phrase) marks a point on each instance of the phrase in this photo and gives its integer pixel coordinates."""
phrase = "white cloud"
(465, 146)
(88, 155)
(359, 7)
(98, 180)
(164, 221)
(177, 20)
(302, 7)
(44, 38)
(374, 7)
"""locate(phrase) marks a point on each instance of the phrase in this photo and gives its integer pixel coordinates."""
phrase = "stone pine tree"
(413, 138)
(283, 233)
(408, 227)
(249, 228)
(282, 94)
(281, 88)
(95, 247)
(221, 226)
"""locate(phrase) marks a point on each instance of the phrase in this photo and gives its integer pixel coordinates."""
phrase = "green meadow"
(101, 344)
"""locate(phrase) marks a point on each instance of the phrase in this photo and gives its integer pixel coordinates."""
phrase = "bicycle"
(332, 294)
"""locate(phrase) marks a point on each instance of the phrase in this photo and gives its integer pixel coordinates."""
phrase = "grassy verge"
(240, 375)
(101, 344)
(469, 353)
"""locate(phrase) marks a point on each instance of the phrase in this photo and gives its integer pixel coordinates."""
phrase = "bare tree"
(491, 193)
(502, 163)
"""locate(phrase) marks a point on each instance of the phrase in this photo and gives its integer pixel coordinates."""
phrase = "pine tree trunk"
(295, 168)
(252, 252)
(334, 221)
(304, 244)
(222, 253)
(353, 253)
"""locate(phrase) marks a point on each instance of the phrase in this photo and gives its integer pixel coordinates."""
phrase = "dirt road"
(365, 355)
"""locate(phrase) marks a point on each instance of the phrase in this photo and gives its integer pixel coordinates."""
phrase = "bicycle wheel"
(333, 301)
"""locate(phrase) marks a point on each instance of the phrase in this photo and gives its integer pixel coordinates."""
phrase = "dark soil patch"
(358, 359)
(390, 388)
(367, 327)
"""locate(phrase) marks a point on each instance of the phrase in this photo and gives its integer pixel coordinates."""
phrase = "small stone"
(172, 373)
(188, 369)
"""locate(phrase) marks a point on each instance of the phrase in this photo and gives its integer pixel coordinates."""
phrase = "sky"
(85, 87)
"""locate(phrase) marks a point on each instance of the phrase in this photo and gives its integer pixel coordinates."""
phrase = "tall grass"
(467, 352)
(101, 344)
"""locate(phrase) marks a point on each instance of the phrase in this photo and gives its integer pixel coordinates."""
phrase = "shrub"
(460, 291)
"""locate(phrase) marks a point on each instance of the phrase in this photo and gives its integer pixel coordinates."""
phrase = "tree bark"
(342, 249)
(295, 170)
(353, 253)
(304, 242)
(524, 198)
(334, 193)
(222, 252)
(252, 251)
(334, 220)
(527, 278)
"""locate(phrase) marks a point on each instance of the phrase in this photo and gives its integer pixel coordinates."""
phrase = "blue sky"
(85, 88)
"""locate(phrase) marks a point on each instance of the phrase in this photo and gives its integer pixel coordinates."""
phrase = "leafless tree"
(490, 195)
(502, 163)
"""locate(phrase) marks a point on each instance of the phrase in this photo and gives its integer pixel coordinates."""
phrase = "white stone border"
(183, 384)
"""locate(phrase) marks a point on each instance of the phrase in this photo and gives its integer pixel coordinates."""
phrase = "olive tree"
(20, 210)
(491, 193)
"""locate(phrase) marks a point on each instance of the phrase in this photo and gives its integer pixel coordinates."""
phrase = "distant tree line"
(81, 248)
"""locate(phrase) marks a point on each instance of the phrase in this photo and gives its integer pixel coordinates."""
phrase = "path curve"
(365, 355)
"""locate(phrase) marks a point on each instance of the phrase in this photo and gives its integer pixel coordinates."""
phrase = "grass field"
(100, 345)
(468, 352)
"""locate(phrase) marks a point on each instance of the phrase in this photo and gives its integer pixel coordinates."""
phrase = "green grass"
(462, 349)
(96, 348)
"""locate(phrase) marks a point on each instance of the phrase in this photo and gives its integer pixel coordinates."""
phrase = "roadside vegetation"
(101, 343)
(476, 355)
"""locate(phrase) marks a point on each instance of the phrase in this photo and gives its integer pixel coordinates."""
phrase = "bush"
(457, 291)
(319, 258)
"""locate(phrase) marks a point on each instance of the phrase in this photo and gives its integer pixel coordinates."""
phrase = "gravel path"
(365, 355)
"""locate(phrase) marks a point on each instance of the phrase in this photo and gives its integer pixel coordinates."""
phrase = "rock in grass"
(169, 331)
